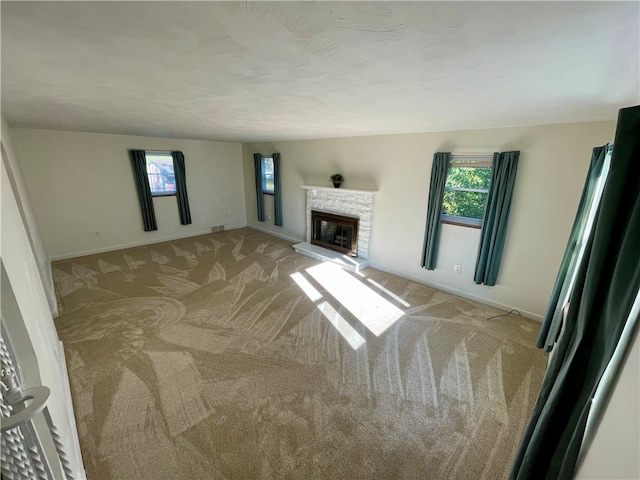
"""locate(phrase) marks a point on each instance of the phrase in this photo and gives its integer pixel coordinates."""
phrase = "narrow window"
(160, 172)
(267, 175)
(465, 195)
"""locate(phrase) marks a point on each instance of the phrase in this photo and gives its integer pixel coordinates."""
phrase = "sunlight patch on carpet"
(375, 312)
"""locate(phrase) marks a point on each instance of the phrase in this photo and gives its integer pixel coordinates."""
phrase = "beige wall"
(85, 199)
(553, 165)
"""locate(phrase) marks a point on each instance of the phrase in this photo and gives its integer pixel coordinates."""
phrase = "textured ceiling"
(291, 70)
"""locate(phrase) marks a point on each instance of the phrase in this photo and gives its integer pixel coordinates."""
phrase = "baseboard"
(460, 293)
(276, 234)
(84, 253)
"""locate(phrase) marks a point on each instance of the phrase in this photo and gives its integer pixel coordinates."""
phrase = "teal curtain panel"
(439, 170)
(606, 287)
(257, 162)
(181, 187)
(496, 217)
(139, 164)
(552, 319)
(277, 190)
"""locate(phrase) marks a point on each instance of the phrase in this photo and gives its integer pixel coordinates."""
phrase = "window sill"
(461, 224)
(163, 195)
(267, 193)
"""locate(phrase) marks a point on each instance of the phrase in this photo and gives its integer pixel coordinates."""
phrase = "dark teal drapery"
(496, 217)
(139, 164)
(181, 187)
(607, 284)
(439, 170)
(277, 190)
(552, 318)
(257, 162)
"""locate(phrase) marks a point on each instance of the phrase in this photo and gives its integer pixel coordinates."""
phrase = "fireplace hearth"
(335, 232)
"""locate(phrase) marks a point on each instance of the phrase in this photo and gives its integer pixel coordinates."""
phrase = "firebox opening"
(335, 232)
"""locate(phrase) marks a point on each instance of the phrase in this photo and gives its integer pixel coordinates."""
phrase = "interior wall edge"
(13, 167)
(275, 234)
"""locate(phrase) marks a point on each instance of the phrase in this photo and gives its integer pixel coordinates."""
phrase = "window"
(267, 175)
(466, 192)
(160, 172)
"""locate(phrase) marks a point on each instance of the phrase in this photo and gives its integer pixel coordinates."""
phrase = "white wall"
(553, 165)
(85, 199)
(16, 179)
(29, 297)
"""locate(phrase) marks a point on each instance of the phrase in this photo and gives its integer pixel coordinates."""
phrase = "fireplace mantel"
(337, 190)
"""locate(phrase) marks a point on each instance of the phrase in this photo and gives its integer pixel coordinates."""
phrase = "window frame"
(157, 153)
(458, 220)
(263, 174)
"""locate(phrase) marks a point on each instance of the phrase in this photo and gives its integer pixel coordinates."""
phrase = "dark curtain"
(139, 164)
(607, 283)
(181, 188)
(277, 190)
(551, 323)
(439, 170)
(496, 217)
(257, 161)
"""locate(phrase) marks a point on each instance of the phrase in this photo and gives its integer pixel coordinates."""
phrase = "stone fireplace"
(348, 205)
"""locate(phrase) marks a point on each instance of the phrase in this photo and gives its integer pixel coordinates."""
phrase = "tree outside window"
(465, 196)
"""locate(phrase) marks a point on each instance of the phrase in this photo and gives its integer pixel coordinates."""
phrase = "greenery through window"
(160, 172)
(267, 175)
(465, 195)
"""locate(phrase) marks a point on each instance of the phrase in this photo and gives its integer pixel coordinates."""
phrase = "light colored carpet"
(229, 356)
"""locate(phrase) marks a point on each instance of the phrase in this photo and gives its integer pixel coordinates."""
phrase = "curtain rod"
(470, 155)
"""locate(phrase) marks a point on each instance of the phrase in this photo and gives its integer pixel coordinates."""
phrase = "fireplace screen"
(335, 232)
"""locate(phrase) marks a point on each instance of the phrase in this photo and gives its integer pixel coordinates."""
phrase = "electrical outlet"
(269, 217)
(457, 268)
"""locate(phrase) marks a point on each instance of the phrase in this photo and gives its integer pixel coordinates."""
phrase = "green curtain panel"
(181, 188)
(552, 319)
(439, 170)
(257, 162)
(139, 164)
(607, 285)
(277, 190)
(496, 217)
